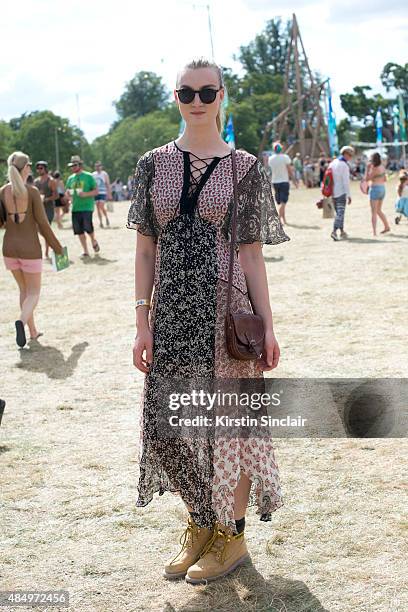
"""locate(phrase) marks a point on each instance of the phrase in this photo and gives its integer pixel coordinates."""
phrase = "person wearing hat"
(22, 214)
(341, 189)
(280, 165)
(82, 189)
(47, 187)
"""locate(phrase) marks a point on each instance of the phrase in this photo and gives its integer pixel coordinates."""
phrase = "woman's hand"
(270, 353)
(143, 350)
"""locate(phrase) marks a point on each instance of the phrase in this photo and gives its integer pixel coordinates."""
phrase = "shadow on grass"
(403, 236)
(247, 590)
(369, 240)
(98, 260)
(49, 360)
(273, 259)
(307, 227)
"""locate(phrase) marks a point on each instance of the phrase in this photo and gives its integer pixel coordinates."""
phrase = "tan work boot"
(192, 543)
(223, 553)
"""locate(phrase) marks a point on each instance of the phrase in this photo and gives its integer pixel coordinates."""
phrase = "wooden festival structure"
(301, 123)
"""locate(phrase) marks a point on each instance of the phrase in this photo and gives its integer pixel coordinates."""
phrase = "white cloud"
(367, 10)
(274, 6)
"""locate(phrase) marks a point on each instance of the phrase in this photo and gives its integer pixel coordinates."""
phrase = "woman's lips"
(198, 113)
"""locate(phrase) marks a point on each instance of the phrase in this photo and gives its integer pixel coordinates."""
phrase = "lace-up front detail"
(197, 171)
(198, 168)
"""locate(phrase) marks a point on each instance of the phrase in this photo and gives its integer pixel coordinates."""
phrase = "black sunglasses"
(207, 94)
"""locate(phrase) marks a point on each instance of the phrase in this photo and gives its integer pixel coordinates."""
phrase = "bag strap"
(234, 228)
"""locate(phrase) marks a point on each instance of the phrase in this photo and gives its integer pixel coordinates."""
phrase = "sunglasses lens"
(186, 95)
(208, 95)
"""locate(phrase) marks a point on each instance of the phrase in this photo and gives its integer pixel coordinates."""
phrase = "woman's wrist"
(269, 331)
(142, 326)
(142, 317)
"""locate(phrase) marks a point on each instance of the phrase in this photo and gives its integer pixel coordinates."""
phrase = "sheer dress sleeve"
(257, 220)
(141, 215)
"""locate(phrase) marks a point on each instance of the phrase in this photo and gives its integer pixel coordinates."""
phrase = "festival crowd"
(49, 200)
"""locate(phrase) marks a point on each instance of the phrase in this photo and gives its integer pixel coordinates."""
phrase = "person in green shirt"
(82, 189)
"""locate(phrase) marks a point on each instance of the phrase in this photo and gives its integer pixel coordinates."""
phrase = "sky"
(75, 57)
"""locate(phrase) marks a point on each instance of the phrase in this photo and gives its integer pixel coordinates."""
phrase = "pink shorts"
(32, 266)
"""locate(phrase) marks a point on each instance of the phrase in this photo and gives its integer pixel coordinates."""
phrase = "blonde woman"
(181, 207)
(22, 211)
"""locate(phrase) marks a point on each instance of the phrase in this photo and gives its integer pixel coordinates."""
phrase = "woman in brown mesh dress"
(22, 214)
(181, 206)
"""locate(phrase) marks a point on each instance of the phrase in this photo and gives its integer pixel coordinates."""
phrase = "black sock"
(193, 516)
(240, 524)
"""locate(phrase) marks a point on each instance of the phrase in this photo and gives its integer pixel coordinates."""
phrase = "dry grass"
(69, 436)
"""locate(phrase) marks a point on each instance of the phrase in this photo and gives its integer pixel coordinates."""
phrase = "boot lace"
(187, 538)
(189, 535)
(218, 543)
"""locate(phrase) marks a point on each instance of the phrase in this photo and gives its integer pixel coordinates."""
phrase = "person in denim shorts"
(376, 174)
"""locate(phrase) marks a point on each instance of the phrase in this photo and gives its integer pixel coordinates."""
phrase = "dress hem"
(265, 517)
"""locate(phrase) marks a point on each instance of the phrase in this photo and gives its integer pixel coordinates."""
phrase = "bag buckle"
(252, 345)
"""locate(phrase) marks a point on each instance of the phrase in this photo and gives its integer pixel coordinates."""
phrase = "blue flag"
(379, 127)
(331, 124)
(229, 133)
(402, 118)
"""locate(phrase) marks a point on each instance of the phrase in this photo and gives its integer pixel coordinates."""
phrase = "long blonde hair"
(202, 62)
(16, 162)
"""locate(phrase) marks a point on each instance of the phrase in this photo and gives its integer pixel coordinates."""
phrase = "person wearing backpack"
(337, 181)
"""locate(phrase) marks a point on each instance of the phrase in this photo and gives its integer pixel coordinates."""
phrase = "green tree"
(395, 76)
(266, 54)
(100, 148)
(7, 146)
(36, 134)
(246, 125)
(363, 108)
(120, 149)
(345, 132)
(144, 94)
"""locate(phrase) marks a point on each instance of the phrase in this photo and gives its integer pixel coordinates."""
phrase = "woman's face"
(197, 113)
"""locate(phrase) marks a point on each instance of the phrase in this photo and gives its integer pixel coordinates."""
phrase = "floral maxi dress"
(185, 204)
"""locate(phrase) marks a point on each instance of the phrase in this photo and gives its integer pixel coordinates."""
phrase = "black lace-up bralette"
(197, 171)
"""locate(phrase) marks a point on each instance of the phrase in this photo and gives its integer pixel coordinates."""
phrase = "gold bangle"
(142, 302)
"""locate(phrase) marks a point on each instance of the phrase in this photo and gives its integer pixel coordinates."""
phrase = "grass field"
(68, 446)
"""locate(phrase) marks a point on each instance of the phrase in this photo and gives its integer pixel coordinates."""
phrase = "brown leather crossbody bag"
(244, 332)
